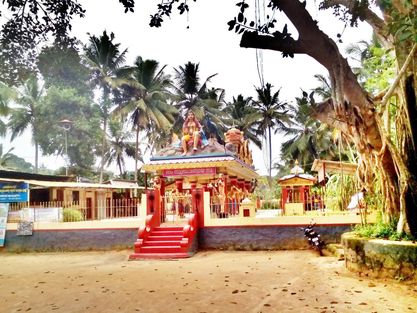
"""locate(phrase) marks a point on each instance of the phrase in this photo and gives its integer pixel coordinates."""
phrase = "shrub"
(72, 215)
(381, 230)
(270, 205)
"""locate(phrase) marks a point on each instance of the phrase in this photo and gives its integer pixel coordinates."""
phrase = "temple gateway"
(194, 179)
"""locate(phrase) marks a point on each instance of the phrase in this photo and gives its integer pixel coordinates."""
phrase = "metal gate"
(177, 207)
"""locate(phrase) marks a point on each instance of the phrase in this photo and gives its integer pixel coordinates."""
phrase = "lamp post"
(66, 125)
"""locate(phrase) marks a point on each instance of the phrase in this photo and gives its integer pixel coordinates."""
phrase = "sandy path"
(215, 281)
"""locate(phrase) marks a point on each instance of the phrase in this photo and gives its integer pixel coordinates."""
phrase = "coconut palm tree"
(324, 89)
(274, 116)
(105, 60)
(11, 161)
(376, 69)
(6, 94)
(308, 138)
(6, 159)
(191, 94)
(121, 145)
(26, 114)
(145, 99)
(243, 116)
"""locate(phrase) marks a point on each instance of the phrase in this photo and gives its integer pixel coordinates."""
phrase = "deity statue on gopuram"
(199, 138)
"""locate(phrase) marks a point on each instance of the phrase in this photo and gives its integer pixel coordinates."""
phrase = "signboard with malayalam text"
(14, 192)
(41, 214)
(189, 171)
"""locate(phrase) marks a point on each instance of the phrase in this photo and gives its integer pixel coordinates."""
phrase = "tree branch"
(399, 76)
(312, 41)
(378, 25)
(251, 39)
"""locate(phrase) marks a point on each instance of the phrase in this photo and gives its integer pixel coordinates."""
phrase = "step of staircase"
(167, 233)
(162, 243)
(158, 256)
(160, 249)
(152, 237)
(169, 228)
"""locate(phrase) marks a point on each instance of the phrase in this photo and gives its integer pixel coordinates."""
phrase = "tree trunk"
(407, 58)
(350, 110)
(36, 157)
(119, 164)
(105, 113)
(270, 157)
(103, 149)
(136, 153)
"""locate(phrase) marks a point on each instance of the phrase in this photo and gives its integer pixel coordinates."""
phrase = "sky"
(202, 37)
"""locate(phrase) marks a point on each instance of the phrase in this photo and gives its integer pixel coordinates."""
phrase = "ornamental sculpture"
(194, 142)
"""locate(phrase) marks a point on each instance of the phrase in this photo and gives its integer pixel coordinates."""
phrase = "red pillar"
(307, 198)
(198, 203)
(193, 185)
(150, 202)
(248, 186)
(284, 197)
(301, 188)
(302, 196)
(153, 206)
(162, 199)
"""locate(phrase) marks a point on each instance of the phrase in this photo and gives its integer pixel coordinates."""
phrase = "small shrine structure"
(296, 192)
(189, 177)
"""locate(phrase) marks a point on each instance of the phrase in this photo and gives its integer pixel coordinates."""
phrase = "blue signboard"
(13, 192)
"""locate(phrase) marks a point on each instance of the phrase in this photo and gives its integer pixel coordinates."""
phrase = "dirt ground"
(211, 281)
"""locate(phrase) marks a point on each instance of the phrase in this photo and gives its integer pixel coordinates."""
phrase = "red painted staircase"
(161, 242)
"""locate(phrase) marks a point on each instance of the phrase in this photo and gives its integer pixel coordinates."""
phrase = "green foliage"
(270, 204)
(374, 200)
(10, 161)
(121, 145)
(28, 24)
(146, 100)
(339, 190)
(19, 164)
(243, 116)
(6, 95)
(72, 215)
(190, 93)
(83, 136)
(61, 66)
(308, 139)
(403, 26)
(264, 191)
(26, 115)
(274, 116)
(380, 69)
(381, 230)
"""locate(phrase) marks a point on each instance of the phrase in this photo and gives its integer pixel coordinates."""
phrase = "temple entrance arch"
(185, 181)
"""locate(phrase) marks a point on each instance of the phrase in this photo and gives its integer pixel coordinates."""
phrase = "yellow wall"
(294, 208)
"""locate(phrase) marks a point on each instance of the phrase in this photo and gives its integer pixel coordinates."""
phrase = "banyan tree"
(362, 117)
